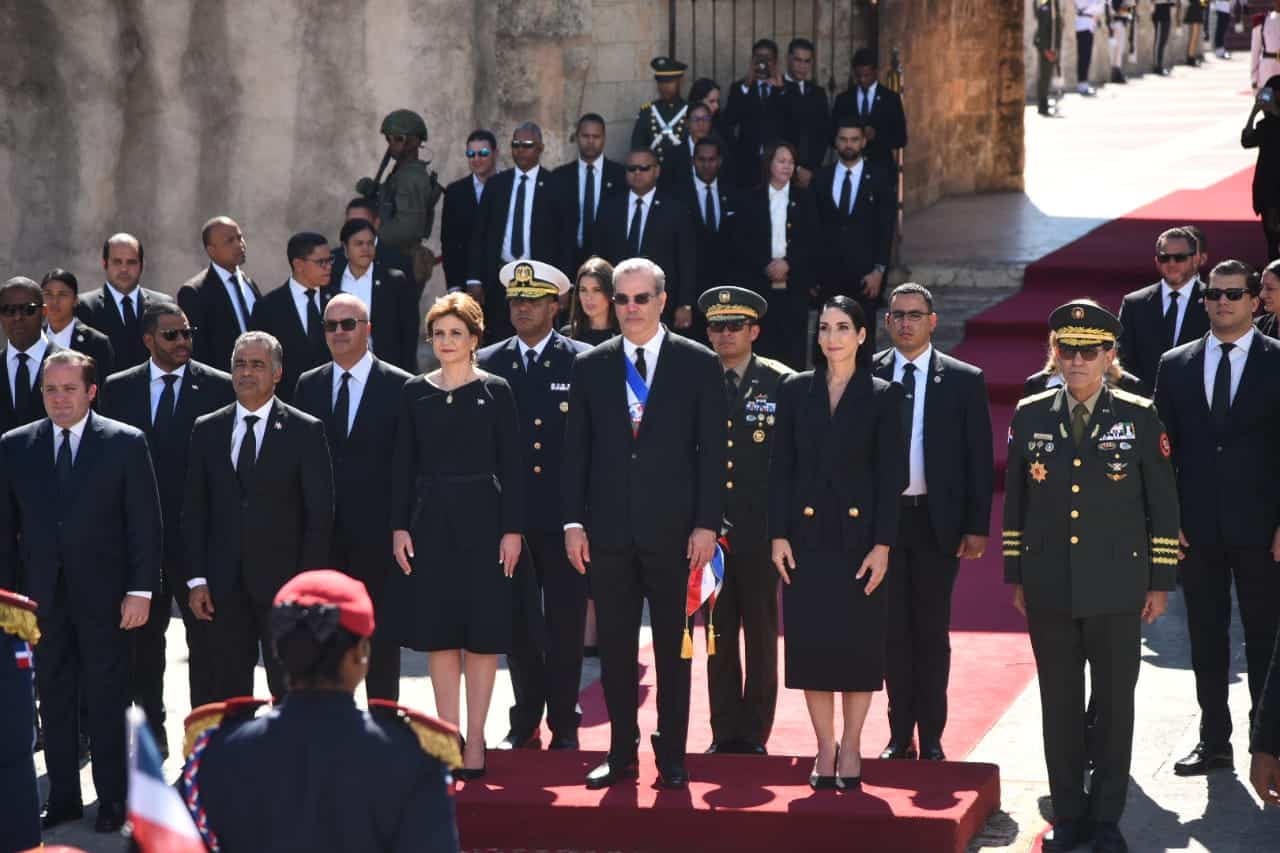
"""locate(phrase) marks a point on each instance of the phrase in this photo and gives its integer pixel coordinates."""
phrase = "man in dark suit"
(293, 313)
(258, 509)
(946, 515)
(357, 397)
(583, 183)
(644, 479)
(714, 209)
(80, 532)
(537, 362)
(809, 128)
(521, 216)
(21, 313)
(462, 206)
(219, 300)
(1220, 399)
(116, 308)
(857, 217)
(60, 290)
(162, 398)
(648, 222)
(1166, 314)
(757, 113)
(880, 109)
(385, 254)
(390, 295)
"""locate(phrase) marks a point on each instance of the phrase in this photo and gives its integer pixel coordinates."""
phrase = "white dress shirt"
(157, 385)
(647, 198)
(916, 484)
(477, 186)
(119, 298)
(778, 201)
(530, 187)
(703, 186)
(582, 190)
(537, 349)
(837, 183)
(35, 355)
(1184, 296)
(868, 97)
(301, 302)
(233, 280)
(62, 339)
(1213, 355)
(361, 288)
(355, 387)
(259, 430)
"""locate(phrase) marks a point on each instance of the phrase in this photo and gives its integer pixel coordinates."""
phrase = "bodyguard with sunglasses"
(1220, 397)
(462, 206)
(163, 397)
(21, 314)
(1090, 545)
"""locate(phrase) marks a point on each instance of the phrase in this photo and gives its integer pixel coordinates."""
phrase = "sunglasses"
(346, 324)
(639, 298)
(524, 143)
(172, 335)
(1067, 352)
(482, 152)
(1235, 294)
(31, 309)
(728, 326)
(1165, 257)
(639, 168)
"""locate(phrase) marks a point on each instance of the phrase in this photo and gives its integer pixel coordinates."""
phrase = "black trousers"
(1161, 18)
(621, 581)
(148, 653)
(784, 327)
(1221, 21)
(1084, 54)
(1207, 574)
(1044, 76)
(918, 643)
(748, 601)
(545, 660)
(372, 569)
(1111, 645)
(82, 651)
(240, 625)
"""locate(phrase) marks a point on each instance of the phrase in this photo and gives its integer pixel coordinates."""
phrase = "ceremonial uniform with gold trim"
(662, 126)
(19, 794)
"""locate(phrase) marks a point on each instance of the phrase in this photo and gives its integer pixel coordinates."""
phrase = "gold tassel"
(711, 639)
(686, 647)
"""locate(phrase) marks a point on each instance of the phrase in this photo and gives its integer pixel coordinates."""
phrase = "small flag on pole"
(704, 585)
(160, 820)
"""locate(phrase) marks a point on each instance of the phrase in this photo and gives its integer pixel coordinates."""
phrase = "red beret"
(18, 600)
(326, 586)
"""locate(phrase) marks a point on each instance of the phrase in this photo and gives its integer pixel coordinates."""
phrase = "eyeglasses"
(31, 309)
(320, 262)
(1165, 257)
(728, 326)
(172, 335)
(482, 152)
(1067, 352)
(346, 324)
(700, 118)
(909, 316)
(524, 143)
(1235, 294)
(639, 298)
(636, 167)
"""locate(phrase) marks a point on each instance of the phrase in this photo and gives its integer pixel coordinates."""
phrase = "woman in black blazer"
(838, 470)
(776, 240)
(1050, 377)
(592, 317)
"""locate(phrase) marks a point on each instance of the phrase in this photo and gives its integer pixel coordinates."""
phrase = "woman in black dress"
(591, 318)
(457, 491)
(839, 466)
(1266, 321)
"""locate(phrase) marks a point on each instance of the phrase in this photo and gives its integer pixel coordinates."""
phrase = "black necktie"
(730, 385)
(865, 98)
(342, 408)
(589, 204)
(909, 402)
(234, 281)
(164, 408)
(62, 465)
(1171, 320)
(248, 455)
(764, 90)
(517, 222)
(1222, 386)
(710, 214)
(315, 325)
(641, 367)
(846, 193)
(633, 233)
(22, 385)
(530, 358)
(130, 317)
(1079, 423)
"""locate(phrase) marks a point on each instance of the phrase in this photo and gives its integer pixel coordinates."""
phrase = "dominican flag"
(22, 655)
(705, 583)
(160, 820)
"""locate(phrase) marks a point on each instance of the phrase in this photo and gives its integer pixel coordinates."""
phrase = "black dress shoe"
(520, 740)
(110, 817)
(896, 750)
(608, 772)
(750, 747)
(1067, 835)
(1107, 839)
(1204, 758)
(56, 813)
(470, 774)
(818, 782)
(932, 753)
(563, 742)
(717, 748)
(673, 777)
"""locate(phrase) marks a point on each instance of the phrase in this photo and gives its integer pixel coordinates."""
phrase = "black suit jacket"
(384, 255)
(99, 310)
(394, 314)
(667, 240)
(34, 409)
(959, 466)
(457, 224)
(810, 126)
(91, 342)
(277, 314)
(205, 301)
(851, 245)
(278, 524)
(1142, 336)
(650, 490)
(715, 249)
(101, 534)
(1226, 478)
(753, 241)
(887, 117)
(361, 468)
(126, 397)
(611, 180)
(752, 123)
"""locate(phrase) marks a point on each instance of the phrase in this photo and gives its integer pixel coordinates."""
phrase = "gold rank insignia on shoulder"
(1039, 472)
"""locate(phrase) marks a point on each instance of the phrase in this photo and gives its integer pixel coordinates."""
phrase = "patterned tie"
(1171, 321)
(62, 465)
(1079, 421)
(1222, 386)
(342, 409)
(517, 221)
(248, 455)
(22, 385)
(164, 408)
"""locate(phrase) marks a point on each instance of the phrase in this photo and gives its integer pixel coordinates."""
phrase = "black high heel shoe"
(819, 782)
(848, 783)
(468, 774)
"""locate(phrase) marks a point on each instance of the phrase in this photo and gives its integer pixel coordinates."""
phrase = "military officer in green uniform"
(1048, 45)
(1091, 545)
(662, 124)
(742, 710)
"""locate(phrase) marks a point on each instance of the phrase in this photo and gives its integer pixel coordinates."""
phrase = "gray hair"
(529, 127)
(269, 341)
(634, 266)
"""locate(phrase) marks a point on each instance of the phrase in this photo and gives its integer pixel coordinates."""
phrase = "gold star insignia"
(1039, 472)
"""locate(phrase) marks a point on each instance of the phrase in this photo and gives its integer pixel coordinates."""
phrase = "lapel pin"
(195, 387)
(546, 363)
(479, 401)
(515, 365)
(279, 425)
(936, 379)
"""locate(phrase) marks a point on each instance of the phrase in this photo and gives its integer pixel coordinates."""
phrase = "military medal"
(758, 436)
(1038, 471)
(564, 406)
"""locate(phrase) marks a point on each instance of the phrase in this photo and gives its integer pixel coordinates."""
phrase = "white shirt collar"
(537, 348)
(653, 345)
(359, 371)
(532, 173)
(647, 198)
(77, 429)
(364, 278)
(120, 297)
(300, 292)
(157, 374)
(714, 185)
(583, 164)
(476, 184)
(1166, 290)
(1241, 344)
(224, 274)
(35, 352)
(870, 90)
(921, 361)
(263, 413)
(63, 338)
(774, 192)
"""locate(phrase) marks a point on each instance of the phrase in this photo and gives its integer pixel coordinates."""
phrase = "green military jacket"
(752, 415)
(406, 205)
(1089, 529)
(1048, 34)
(656, 124)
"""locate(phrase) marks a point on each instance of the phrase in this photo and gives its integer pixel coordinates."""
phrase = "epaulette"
(437, 738)
(775, 365)
(18, 616)
(1258, 19)
(1035, 398)
(646, 105)
(213, 715)
(1131, 398)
